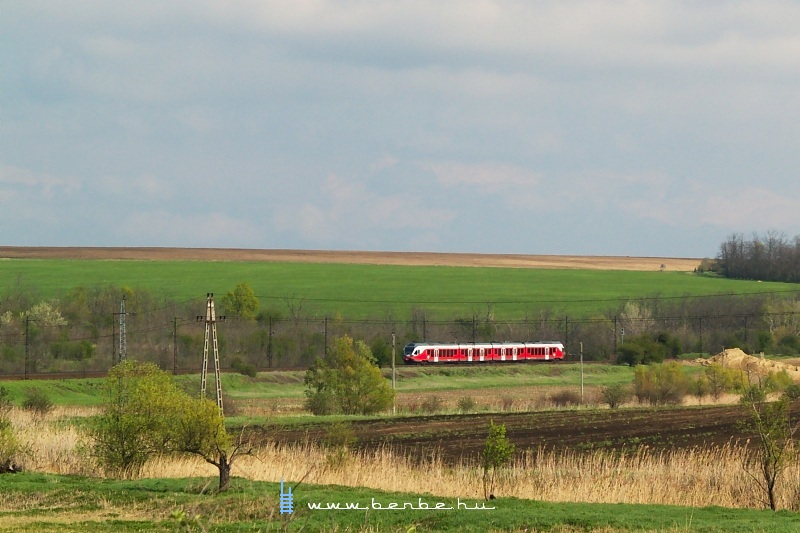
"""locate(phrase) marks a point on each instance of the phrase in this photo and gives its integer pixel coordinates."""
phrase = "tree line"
(80, 331)
(771, 257)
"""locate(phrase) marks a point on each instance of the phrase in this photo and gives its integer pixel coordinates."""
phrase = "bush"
(614, 395)
(246, 369)
(508, 402)
(432, 404)
(753, 395)
(792, 392)
(660, 384)
(9, 448)
(466, 404)
(37, 401)
(565, 398)
(5, 400)
(321, 403)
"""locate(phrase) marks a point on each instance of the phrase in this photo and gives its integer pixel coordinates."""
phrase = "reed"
(698, 477)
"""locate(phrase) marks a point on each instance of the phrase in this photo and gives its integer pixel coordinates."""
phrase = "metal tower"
(211, 338)
(123, 340)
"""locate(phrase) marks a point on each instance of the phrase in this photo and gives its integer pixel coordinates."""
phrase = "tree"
(497, 453)
(241, 302)
(146, 413)
(347, 380)
(615, 394)
(775, 431)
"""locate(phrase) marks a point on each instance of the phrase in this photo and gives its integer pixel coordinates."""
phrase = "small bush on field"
(339, 440)
(792, 392)
(466, 404)
(660, 384)
(246, 369)
(321, 403)
(507, 402)
(565, 398)
(37, 401)
(10, 447)
(432, 404)
(614, 395)
(777, 381)
(5, 400)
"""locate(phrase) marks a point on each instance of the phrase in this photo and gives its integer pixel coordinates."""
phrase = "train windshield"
(409, 349)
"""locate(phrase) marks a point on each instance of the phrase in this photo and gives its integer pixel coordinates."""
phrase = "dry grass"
(696, 477)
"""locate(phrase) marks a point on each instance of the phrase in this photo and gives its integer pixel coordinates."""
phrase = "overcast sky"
(609, 128)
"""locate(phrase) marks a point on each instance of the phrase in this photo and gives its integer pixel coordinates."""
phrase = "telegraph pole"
(581, 372)
(123, 339)
(27, 343)
(175, 346)
(394, 381)
(210, 321)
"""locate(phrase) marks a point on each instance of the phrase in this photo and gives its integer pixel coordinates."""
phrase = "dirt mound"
(736, 358)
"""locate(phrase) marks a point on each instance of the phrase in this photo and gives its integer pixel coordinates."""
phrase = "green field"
(72, 503)
(289, 384)
(363, 291)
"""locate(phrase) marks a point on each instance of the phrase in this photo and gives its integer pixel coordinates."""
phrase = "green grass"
(360, 291)
(36, 502)
(74, 392)
(289, 384)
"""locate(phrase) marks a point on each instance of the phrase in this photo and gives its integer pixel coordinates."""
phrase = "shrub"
(321, 403)
(507, 402)
(792, 392)
(5, 400)
(753, 395)
(246, 369)
(466, 404)
(432, 404)
(660, 384)
(614, 395)
(37, 401)
(9, 447)
(565, 398)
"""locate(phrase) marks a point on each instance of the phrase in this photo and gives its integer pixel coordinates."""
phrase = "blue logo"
(287, 500)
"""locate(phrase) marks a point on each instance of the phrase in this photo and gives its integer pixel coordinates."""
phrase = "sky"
(552, 127)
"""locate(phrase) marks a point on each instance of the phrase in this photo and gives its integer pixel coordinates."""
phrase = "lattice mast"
(211, 339)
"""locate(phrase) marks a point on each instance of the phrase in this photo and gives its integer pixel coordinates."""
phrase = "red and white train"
(423, 352)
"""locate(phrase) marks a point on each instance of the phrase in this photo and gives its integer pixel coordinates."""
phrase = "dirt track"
(377, 258)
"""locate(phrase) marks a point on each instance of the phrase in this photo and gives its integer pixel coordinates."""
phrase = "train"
(437, 353)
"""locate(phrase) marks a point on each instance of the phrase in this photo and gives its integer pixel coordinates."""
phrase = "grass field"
(68, 503)
(361, 291)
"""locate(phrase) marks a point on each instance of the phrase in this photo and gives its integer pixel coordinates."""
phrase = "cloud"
(742, 209)
(351, 212)
(517, 186)
(162, 228)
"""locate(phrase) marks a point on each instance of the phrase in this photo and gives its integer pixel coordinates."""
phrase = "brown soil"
(751, 365)
(457, 437)
(378, 258)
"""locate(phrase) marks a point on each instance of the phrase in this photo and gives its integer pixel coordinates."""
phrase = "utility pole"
(210, 321)
(175, 346)
(394, 381)
(581, 372)
(27, 335)
(123, 340)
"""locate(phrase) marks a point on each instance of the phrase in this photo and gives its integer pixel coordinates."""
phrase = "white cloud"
(516, 185)
(349, 211)
(162, 228)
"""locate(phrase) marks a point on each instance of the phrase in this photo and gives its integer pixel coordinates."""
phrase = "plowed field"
(463, 436)
(353, 257)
